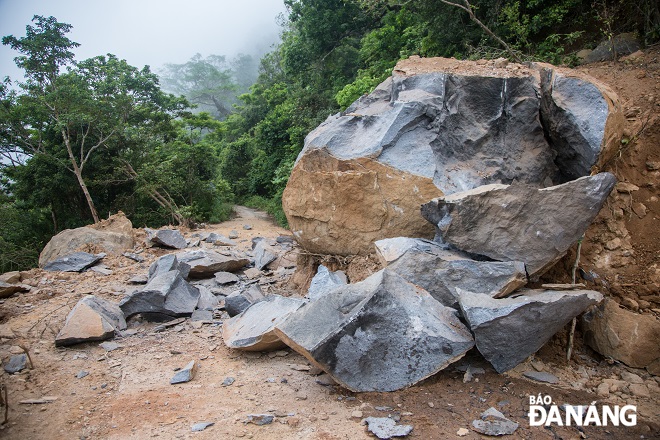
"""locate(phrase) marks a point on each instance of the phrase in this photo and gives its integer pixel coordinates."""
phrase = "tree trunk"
(81, 181)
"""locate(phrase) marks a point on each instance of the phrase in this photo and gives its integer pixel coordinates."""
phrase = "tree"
(71, 116)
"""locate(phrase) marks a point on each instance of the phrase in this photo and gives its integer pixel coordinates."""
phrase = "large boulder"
(381, 334)
(441, 271)
(112, 236)
(92, 319)
(254, 329)
(165, 297)
(623, 335)
(508, 330)
(437, 126)
(519, 222)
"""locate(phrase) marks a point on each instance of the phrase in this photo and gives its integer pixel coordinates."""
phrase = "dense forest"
(82, 139)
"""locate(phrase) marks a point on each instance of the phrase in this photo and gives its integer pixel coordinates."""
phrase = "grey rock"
(260, 419)
(541, 376)
(264, 253)
(186, 374)
(202, 315)
(233, 235)
(207, 300)
(219, 240)
(75, 262)
(440, 271)
(167, 263)
(7, 290)
(201, 426)
(17, 362)
(223, 278)
(102, 269)
(386, 428)
(325, 281)
(139, 279)
(228, 381)
(110, 346)
(247, 227)
(239, 301)
(135, 257)
(166, 295)
(622, 44)
(381, 334)
(91, 319)
(168, 238)
(508, 330)
(519, 222)
(81, 374)
(204, 263)
(254, 329)
(494, 423)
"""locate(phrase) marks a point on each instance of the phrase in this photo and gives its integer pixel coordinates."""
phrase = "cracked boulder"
(519, 222)
(91, 319)
(441, 271)
(254, 329)
(508, 330)
(205, 263)
(381, 334)
(165, 297)
(436, 127)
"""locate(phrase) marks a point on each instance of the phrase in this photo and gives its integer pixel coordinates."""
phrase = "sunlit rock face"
(439, 126)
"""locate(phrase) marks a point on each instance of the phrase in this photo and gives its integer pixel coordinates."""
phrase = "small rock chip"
(81, 374)
(110, 346)
(16, 363)
(541, 376)
(186, 374)
(260, 419)
(228, 381)
(201, 426)
(233, 234)
(357, 414)
(386, 428)
(247, 227)
(462, 432)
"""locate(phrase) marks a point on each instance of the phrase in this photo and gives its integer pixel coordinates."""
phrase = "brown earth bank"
(127, 393)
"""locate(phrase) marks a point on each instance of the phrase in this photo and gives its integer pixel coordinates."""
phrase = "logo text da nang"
(542, 412)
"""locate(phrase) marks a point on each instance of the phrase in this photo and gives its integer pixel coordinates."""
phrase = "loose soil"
(127, 394)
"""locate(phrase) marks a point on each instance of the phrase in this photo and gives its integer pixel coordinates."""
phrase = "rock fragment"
(381, 334)
(260, 419)
(386, 427)
(223, 278)
(186, 374)
(166, 296)
(7, 290)
(92, 319)
(201, 426)
(264, 253)
(205, 263)
(167, 263)
(168, 238)
(541, 376)
(239, 301)
(17, 363)
(519, 222)
(441, 271)
(254, 329)
(76, 262)
(508, 330)
(494, 423)
(325, 281)
(219, 240)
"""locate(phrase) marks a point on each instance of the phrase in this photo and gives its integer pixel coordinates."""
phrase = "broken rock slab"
(7, 290)
(623, 335)
(494, 423)
(223, 278)
(381, 334)
(91, 319)
(166, 296)
(441, 271)
(17, 363)
(168, 263)
(519, 222)
(76, 262)
(385, 427)
(219, 240)
(205, 263)
(254, 329)
(264, 253)
(240, 300)
(186, 374)
(325, 281)
(508, 330)
(168, 238)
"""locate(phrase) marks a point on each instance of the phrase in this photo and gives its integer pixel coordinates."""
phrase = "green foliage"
(23, 233)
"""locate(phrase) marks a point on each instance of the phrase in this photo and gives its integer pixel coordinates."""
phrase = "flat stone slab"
(168, 238)
(223, 278)
(75, 262)
(508, 330)
(494, 423)
(7, 290)
(541, 376)
(91, 319)
(381, 334)
(205, 263)
(265, 252)
(519, 222)
(386, 428)
(441, 271)
(325, 281)
(166, 295)
(219, 240)
(254, 329)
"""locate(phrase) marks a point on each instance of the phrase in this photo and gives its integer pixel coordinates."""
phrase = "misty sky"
(149, 32)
